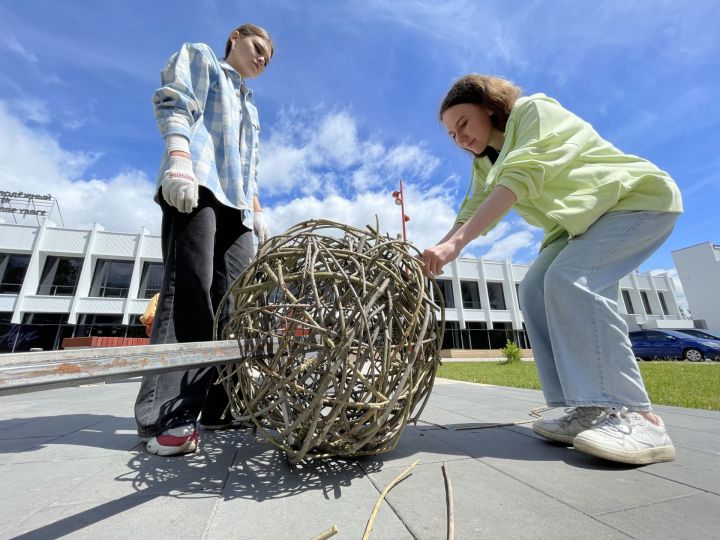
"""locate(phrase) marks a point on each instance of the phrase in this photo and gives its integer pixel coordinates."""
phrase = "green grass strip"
(680, 384)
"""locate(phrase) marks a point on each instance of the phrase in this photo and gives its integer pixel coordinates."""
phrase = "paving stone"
(487, 504)
(691, 468)
(695, 517)
(71, 465)
(30, 487)
(414, 444)
(97, 436)
(135, 516)
(695, 439)
(265, 497)
(565, 474)
(20, 449)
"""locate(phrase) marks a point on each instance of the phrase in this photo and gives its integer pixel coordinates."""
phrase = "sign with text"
(24, 204)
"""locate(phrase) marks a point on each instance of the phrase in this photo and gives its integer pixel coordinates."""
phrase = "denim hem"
(146, 433)
(556, 404)
(153, 431)
(609, 404)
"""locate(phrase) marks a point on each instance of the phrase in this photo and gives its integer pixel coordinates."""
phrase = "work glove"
(260, 227)
(179, 185)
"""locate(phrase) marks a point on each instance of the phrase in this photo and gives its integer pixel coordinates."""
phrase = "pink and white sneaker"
(174, 441)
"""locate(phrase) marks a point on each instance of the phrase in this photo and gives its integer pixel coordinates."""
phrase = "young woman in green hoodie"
(603, 212)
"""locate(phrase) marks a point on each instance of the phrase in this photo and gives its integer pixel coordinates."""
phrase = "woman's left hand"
(438, 256)
(262, 231)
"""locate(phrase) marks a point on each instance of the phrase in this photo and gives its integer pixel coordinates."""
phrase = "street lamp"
(398, 196)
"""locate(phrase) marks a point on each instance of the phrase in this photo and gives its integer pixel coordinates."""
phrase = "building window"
(151, 280)
(496, 295)
(663, 304)
(502, 326)
(60, 276)
(646, 302)
(452, 338)
(470, 294)
(628, 302)
(517, 293)
(447, 292)
(12, 272)
(100, 325)
(45, 318)
(111, 279)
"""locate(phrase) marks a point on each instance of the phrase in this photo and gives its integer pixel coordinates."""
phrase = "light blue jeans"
(569, 300)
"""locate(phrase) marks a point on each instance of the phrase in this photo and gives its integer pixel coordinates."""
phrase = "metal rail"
(34, 371)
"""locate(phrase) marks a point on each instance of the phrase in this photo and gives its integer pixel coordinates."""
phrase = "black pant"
(203, 252)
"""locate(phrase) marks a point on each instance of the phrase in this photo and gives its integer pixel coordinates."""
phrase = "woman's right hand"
(179, 185)
(436, 257)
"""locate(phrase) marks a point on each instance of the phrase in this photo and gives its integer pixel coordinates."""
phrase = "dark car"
(696, 332)
(673, 344)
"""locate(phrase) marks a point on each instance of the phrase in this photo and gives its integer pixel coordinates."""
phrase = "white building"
(699, 272)
(57, 283)
(482, 309)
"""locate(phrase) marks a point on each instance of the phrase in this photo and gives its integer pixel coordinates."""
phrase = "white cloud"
(337, 141)
(10, 42)
(32, 110)
(308, 154)
(33, 160)
(349, 183)
(431, 213)
(324, 168)
(507, 247)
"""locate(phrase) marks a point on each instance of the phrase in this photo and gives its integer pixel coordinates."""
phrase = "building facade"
(57, 283)
(698, 268)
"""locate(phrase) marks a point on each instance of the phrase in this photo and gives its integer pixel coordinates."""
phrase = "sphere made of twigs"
(346, 339)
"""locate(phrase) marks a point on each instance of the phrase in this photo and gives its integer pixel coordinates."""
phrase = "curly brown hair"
(494, 93)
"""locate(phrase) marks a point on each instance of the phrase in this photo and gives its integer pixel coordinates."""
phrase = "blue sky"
(349, 103)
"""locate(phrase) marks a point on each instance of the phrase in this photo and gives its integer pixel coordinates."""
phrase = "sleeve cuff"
(518, 187)
(174, 126)
(177, 142)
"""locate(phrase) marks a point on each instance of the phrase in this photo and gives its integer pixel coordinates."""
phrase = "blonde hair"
(251, 30)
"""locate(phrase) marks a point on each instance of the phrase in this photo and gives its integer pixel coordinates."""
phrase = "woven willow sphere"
(357, 341)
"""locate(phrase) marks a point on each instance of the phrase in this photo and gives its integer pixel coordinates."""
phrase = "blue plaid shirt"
(204, 100)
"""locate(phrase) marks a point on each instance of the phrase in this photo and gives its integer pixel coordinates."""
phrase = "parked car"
(696, 332)
(673, 344)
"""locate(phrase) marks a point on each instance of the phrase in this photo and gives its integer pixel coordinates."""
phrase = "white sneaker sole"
(188, 448)
(557, 437)
(657, 454)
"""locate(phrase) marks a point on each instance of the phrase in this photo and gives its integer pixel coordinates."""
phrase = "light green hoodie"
(564, 175)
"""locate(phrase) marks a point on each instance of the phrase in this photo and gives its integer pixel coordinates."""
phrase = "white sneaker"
(174, 442)
(627, 437)
(565, 428)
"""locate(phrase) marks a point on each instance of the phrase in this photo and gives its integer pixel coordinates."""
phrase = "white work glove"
(260, 227)
(179, 185)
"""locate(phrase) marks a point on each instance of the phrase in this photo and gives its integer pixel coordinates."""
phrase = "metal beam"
(31, 372)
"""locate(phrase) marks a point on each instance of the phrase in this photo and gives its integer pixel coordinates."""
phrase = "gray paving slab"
(137, 516)
(414, 444)
(72, 466)
(703, 421)
(11, 449)
(30, 487)
(694, 439)
(265, 497)
(671, 519)
(487, 504)
(692, 468)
